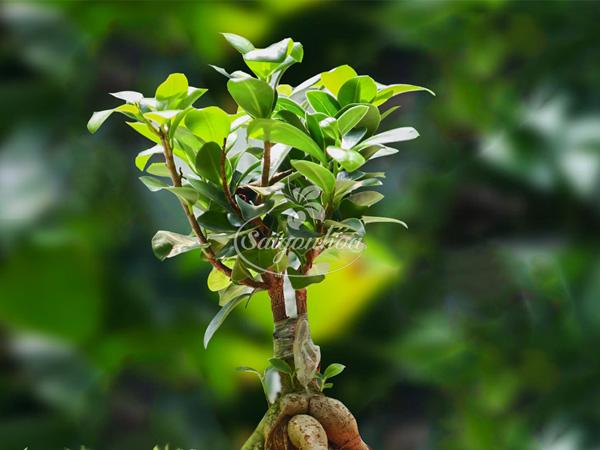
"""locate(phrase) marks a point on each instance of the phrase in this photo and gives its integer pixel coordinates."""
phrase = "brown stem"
(266, 164)
(208, 252)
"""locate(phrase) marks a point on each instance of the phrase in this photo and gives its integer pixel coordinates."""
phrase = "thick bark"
(301, 418)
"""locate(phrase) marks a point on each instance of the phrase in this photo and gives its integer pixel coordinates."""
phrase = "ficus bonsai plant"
(270, 190)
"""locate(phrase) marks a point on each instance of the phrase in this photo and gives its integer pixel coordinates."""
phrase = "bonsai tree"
(270, 192)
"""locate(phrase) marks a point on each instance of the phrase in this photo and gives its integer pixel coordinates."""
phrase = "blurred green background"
(476, 329)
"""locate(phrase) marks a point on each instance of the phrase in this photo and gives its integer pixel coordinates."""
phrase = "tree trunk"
(302, 418)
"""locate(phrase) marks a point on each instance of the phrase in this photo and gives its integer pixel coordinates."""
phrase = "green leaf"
(281, 366)
(395, 135)
(210, 191)
(349, 159)
(128, 96)
(351, 117)
(396, 89)
(365, 198)
(335, 78)
(264, 61)
(250, 211)
(333, 370)
(175, 85)
(220, 317)
(166, 244)
(360, 89)
(217, 280)
(259, 259)
(193, 94)
(215, 221)
(370, 121)
(153, 184)
(240, 272)
(284, 133)
(208, 162)
(323, 102)
(254, 96)
(159, 169)
(352, 138)
(318, 175)
(232, 292)
(240, 43)
(377, 151)
(145, 131)
(300, 281)
(97, 119)
(288, 104)
(185, 193)
(373, 219)
(142, 158)
(210, 124)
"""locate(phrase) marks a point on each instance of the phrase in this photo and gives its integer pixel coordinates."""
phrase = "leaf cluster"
(239, 174)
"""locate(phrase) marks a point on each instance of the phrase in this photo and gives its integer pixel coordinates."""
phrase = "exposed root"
(306, 433)
(296, 421)
(338, 421)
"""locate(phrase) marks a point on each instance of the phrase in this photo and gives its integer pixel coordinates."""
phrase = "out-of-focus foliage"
(476, 328)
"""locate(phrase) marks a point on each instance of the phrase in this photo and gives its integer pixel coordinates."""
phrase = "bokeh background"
(476, 329)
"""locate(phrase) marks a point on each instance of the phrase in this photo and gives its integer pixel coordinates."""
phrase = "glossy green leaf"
(193, 94)
(289, 105)
(233, 291)
(361, 89)
(210, 191)
(395, 135)
(349, 159)
(370, 121)
(333, 370)
(166, 244)
(145, 131)
(240, 43)
(240, 272)
(210, 124)
(254, 96)
(215, 221)
(318, 175)
(128, 96)
(208, 162)
(159, 169)
(284, 133)
(323, 102)
(217, 280)
(220, 317)
(250, 211)
(335, 78)
(365, 198)
(396, 89)
(97, 119)
(351, 117)
(373, 219)
(281, 366)
(175, 85)
(185, 193)
(142, 158)
(377, 151)
(300, 281)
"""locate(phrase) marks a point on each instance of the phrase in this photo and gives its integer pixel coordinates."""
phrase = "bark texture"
(302, 418)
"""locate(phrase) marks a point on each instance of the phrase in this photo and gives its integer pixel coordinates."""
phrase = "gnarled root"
(307, 422)
(306, 433)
